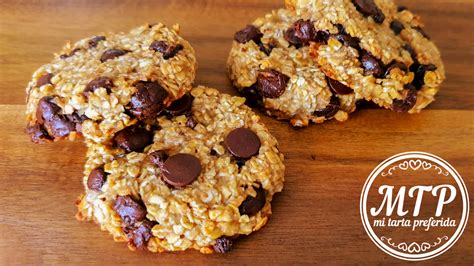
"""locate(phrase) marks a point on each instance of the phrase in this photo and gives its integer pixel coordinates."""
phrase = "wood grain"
(316, 218)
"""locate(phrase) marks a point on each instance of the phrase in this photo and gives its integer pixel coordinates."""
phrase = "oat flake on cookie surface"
(378, 49)
(105, 83)
(197, 177)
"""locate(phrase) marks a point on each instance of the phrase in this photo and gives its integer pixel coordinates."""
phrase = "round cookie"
(282, 77)
(102, 84)
(206, 176)
(376, 48)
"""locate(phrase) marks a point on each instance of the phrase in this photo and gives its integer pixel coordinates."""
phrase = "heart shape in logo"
(426, 165)
(404, 165)
(402, 246)
(415, 164)
(414, 247)
(425, 246)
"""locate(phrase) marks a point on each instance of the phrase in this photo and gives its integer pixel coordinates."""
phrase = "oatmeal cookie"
(103, 84)
(376, 48)
(272, 65)
(198, 177)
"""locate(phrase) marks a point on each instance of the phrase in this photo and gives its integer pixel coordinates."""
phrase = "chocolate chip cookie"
(100, 85)
(196, 177)
(272, 65)
(376, 48)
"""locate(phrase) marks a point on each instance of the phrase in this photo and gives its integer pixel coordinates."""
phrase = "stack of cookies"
(316, 60)
(169, 167)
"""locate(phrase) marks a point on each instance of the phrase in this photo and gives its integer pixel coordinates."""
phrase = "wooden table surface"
(316, 218)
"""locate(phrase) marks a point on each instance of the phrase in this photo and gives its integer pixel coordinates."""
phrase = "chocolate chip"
(94, 41)
(111, 54)
(73, 52)
(181, 169)
(421, 31)
(180, 106)
(252, 205)
(133, 138)
(412, 51)
(348, 40)
(223, 245)
(420, 71)
(148, 100)
(96, 179)
(129, 210)
(38, 134)
(168, 50)
(100, 82)
(409, 101)
(322, 36)
(49, 114)
(139, 235)
(191, 123)
(402, 8)
(331, 109)
(397, 27)
(271, 83)
(267, 49)
(252, 96)
(249, 33)
(44, 79)
(338, 88)
(158, 158)
(301, 33)
(394, 65)
(369, 8)
(243, 143)
(372, 66)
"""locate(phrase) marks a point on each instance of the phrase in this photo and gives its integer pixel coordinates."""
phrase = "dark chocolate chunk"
(180, 106)
(223, 245)
(49, 115)
(168, 50)
(409, 101)
(181, 169)
(96, 179)
(158, 158)
(372, 66)
(129, 210)
(139, 235)
(133, 139)
(249, 33)
(397, 27)
(94, 41)
(420, 71)
(301, 33)
(331, 109)
(38, 134)
(252, 96)
(267, 49)
(100, 82)
(148, 100)
(252, 205)
(271, 83)
(338, 88)
(111, 54)
(243, 143)
(73, 52)
(394, 65)
(369, 9)
(421, 31)
(44, 79)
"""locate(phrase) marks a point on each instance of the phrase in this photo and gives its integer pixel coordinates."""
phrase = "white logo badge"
(414, 206)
